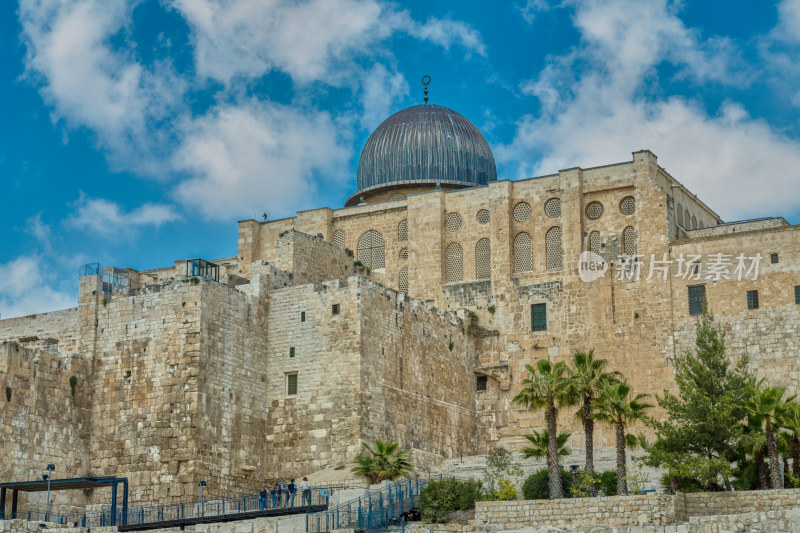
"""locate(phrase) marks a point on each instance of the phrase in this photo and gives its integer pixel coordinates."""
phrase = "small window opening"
(480, 383)
(302, 316)
(539, 317)
(752, 299)
(291, 384)
(291, 352)
(335, 309)
(697, 299)
(773, 258)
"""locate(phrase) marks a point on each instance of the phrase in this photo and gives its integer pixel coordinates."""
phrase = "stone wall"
(41, 420)
(56, 330)
(312, 259)
(728, 503)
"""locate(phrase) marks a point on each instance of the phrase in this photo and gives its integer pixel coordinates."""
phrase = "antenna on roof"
(425, 81)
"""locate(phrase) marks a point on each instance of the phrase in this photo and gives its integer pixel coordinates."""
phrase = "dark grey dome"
(425, 144)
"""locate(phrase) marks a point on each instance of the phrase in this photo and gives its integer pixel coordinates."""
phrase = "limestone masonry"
(406, 317)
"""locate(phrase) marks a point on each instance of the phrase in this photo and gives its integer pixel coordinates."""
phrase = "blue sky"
(135, 133)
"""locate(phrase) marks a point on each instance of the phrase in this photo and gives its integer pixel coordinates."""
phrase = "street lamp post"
(48, 477)
(201, 485)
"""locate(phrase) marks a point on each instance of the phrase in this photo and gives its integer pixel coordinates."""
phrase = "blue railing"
(210, 510)
(374, 510)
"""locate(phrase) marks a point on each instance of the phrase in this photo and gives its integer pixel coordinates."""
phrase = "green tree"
(586, 378)
(767, 407)
(617, 407)
(791, 422)
(382, 462)
(546, 387)
(705, 419)
(540, 445)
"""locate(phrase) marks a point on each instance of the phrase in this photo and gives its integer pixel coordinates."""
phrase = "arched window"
(402, 280)
(694, 222)
(338, 237)
(629, 241)
(402, 231)
(523, 253)
(552, 241)
(483, 260)
(702, 225)
(594, 242)
(454, 269)
(371, 250)
(680, 215)
(627, 206)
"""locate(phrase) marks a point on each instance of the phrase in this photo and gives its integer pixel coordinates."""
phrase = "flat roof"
(63, 484)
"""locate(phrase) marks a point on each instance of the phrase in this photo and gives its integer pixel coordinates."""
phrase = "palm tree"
(382, 462)
(766, 408)
(587, 378)
(540, 445)
(791, 422)
(546, 387)
(618, 408)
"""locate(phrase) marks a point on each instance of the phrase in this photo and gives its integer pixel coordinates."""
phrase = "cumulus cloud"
(92, 85)
(107, 218)
(311, 40)
(531, 8)
(257, 156)
(597, 106)
(381, 89)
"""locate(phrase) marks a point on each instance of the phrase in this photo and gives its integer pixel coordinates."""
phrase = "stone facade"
(383, 315)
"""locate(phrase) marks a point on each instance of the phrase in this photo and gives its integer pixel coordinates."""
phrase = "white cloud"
(532, 8)
(90, 85)
(26, 288)
(110, 219)
(256, 157)
(381, 89)
(311, 40)
(597, 108)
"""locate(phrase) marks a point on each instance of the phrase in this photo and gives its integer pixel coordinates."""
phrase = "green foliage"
(585, 484)
(73, 382)
(684, 484)
(441, 497)
(705, 418)
(635, 478)
(194, 281)
(349, 252)
(491, 309)
(450, 346)
(498, 465)
(382, 462)
(540, 445)
(8, 394)
(506, 491)
(608, 482)
(536, 485)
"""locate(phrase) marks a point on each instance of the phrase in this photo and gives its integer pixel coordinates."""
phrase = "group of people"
(283, 494)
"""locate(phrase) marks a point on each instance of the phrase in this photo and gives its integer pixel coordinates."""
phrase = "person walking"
(275, 493)
(292, 491)
(262, 498)
(305, 486)
(284, 490)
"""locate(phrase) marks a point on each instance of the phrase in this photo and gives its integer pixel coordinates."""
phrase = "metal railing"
(375, 510)
(208, 511)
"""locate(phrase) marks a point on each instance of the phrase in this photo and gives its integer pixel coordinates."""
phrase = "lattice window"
(594, 210)
(629, 241)
(752, 299)
(697, 299)
(522, 211)
(552, 207)
(539, 317)
(523, 252)
(694, 222)
(291, 384)
(338, 237)
(483, 216)
(552, 241)
(483, 259)
(371, 250)
(453, 222)
(594, 242)
(454, 268)
(402, 231)
(627, 206)
(402, 280)
(404, 254)
(680, 215)
(397, 196)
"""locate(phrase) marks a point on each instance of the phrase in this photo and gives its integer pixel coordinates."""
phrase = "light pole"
(201, 485)
(48, 477)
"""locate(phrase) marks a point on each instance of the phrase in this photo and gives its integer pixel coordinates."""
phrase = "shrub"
(685, 484)
(491, 309)
(535, 486)
(8, 394)
(73, 382)
(584, 484)
(441, 497)
(608, 482)
(506, 491)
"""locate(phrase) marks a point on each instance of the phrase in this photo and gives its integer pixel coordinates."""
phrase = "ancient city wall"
(43, 329)
(42, 420)
(417, 376)
(312, 259)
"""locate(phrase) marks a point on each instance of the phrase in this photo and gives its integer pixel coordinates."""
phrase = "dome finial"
(425, 81)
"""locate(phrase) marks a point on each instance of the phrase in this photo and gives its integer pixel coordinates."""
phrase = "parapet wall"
(312, 259)
(43, 328)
